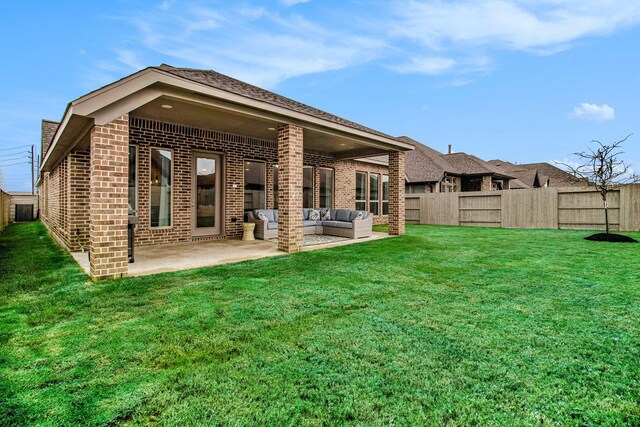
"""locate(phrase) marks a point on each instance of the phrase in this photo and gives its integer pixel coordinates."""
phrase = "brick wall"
(78, 199)
(346, 185)
(235, 149)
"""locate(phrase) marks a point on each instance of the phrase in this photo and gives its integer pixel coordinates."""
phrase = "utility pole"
(33, 189)
(38, 166)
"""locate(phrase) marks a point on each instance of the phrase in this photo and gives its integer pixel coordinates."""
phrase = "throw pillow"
(314, 215)
(262, 216)
(360, 215)
(327, 216)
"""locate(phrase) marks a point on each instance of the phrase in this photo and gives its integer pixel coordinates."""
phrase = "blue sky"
(520, 80)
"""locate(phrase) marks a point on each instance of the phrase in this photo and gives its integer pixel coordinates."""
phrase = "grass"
(443, 326)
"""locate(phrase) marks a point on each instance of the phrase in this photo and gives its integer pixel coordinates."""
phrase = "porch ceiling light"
(271, 128)
(167, 106)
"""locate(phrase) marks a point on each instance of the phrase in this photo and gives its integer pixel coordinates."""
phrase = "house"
(539, 175)
(429, 171)
(191, 151)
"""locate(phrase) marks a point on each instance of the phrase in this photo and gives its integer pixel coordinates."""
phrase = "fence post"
(630, 207)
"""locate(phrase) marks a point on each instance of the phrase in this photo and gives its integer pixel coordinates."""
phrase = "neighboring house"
(429, 171)
(191, 151)
(539, 175)
(23, 206)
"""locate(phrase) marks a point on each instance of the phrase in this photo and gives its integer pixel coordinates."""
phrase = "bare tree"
(602, 167)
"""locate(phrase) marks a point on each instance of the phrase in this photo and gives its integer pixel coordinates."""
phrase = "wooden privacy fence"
(564, 208)
(4, 210)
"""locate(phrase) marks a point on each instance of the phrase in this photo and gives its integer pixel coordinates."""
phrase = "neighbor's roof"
(220, 81)
(424, 164)
(471, 165)
(556, 176)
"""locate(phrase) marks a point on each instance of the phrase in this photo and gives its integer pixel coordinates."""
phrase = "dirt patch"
(610, 237)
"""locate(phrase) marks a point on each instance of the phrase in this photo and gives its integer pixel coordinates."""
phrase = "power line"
(13, 164)
(11, 154)
(14, 148)
(13, 158)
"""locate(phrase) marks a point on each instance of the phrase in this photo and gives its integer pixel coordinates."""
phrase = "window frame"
(385, 202)
(333, 186)
(244, 161)
(275, 171)
(161, 227)
(136, 184)
(377, 199)
(365, 190)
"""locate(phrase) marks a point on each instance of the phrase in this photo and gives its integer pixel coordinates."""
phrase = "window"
(374, 200)
(161, 187)
(133, 179)
(275, 186)
(307, 187)
(449, 185)
(254, 185)
(385, 194)
(361, 191)
(326, 188)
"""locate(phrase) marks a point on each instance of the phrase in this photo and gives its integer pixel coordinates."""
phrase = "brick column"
(290, 154)
(108, 168)
(487, 183)
(396, 193)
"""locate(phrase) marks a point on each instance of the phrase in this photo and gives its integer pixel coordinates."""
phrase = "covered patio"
(183, 256)
(175, 123)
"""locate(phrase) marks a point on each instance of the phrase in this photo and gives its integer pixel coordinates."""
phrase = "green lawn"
(444, 326)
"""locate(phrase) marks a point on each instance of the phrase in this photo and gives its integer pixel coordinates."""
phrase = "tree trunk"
(606, 215)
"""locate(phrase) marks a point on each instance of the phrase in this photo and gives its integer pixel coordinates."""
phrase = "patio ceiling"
(216, 118)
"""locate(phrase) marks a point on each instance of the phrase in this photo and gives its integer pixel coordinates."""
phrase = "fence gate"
(24, 213)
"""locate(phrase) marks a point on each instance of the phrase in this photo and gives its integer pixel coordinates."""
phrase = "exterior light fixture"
(167, 106)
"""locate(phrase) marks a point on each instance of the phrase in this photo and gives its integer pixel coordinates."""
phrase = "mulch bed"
(610, 237)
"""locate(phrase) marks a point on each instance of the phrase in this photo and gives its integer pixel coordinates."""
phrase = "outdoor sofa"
(339, 222)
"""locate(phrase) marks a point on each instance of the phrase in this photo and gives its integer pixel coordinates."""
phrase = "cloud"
(441, 65)
(543, 26)
(266, 45)
(252, 44)
(593, 112)
(293, 2)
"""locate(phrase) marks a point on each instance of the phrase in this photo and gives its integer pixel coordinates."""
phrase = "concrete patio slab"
(183, 256)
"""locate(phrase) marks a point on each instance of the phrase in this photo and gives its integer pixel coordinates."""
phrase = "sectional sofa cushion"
(337, 224)
(310, 223)
(268, 213)
(357, 215)
(341, 215)
(272, 226)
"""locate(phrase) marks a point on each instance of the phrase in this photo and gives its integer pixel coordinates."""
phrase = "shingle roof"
(424, 164)
(557, 177)
(49, 128)
(220, 81)
(471, 165)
